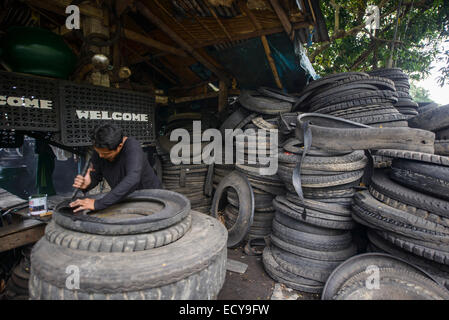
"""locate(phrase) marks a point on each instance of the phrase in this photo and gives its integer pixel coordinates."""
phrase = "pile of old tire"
(261, 172)
(436, 119)
(379, 276)
(407, 210)
(150, 246)
(192, 180)
(355, 96)
(312, 236)
(405, 103)
(267, 101)
(256, 118)
(17, 285)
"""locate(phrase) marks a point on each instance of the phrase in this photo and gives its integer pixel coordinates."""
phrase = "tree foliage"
(419, 94)
(422, 27)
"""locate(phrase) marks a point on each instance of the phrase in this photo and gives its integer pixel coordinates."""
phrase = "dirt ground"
(255, 283)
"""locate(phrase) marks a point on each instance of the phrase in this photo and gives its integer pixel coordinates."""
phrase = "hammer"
(83, 172)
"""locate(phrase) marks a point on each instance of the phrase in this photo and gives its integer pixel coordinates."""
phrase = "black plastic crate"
(28, 102)
(86, 106)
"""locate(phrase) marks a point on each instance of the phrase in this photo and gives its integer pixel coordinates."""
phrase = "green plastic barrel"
(37, 51)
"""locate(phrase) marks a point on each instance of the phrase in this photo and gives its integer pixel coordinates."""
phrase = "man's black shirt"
(128, 172)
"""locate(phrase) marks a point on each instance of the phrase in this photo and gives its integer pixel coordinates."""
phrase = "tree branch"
(343, 34)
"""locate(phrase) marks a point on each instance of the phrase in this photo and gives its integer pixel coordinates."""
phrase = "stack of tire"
(407, 210)
(265, 184)
(380, 276)
(257, 116)
(266, 105)
(17, 285)
(354, 96)
(149, 246)
(436, 119)
(192, 180)
(313, 236)
(405, 103)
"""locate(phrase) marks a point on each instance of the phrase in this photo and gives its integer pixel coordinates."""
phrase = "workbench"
(22, 229)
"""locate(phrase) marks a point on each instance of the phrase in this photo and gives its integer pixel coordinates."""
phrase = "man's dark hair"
(107, 136)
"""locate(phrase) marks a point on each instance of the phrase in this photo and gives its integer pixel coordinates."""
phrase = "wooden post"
(270, 59)
(96, 25)
(263, 38)
(222, 96)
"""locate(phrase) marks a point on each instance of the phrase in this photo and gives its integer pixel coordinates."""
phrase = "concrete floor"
(255, 283)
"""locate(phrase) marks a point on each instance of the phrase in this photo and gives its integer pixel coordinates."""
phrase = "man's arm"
(134, 167)
(86, 183)
(95, 174)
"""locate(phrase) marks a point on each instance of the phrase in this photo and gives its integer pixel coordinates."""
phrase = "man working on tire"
(121, 161)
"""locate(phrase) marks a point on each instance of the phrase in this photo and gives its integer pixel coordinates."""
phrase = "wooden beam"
(252, 34)
(52, 5)
(177, 39)
(313, 12)
(203, 25)
(212, 11)
(146, 60)
(266, 46)
(203, 96)
(149, 42)
(286, 24)
(175, 20)
(58, 6)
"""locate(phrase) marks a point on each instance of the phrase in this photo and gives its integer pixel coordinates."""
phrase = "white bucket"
(37, 204)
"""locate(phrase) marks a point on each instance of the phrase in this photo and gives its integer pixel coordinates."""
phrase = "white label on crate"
(25, 102)
(106, 115)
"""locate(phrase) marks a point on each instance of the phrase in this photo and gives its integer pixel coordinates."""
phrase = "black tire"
(408, 208)
(399, 280)
(252, 101)
(312, 217)
(350, 162)
(289, 279)
(175, 208)
(233, 120)
(243, 188)
(311, 241)
(302, 226)
(432, 120)
(126, 243)
(329, 208)
(180, 270)
(411, 155)
(278, 94)
(369, 211)
(340, 255)
(383, 184)
(428, 178)
(431, 252)
(320, 181)
(438, 271)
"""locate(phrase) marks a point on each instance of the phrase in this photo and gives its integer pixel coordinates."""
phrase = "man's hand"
(83, 204)
(83, 182)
